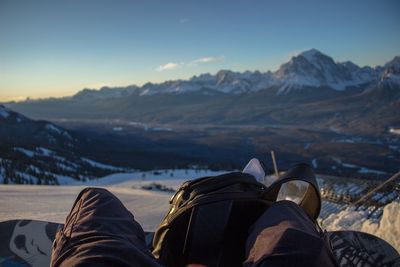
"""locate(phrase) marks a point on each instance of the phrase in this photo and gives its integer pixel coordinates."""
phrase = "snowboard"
(29, 243)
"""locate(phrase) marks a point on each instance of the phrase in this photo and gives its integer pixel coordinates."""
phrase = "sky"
(56, 48)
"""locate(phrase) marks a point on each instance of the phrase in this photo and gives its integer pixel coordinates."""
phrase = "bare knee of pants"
(100, 231)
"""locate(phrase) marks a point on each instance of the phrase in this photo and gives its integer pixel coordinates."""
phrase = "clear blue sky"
(55, 48)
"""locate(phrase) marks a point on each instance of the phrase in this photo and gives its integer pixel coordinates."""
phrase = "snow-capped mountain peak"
(309, 69)
(312, 54)
(391, 73)
(315, 69)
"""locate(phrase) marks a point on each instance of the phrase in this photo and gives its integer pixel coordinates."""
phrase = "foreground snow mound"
(389, 226)
(386, 228)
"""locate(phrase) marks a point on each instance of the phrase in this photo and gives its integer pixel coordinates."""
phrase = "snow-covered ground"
(53, 203)
(387, 227)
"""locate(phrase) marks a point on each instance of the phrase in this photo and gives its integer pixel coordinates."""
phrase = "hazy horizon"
(55, 49)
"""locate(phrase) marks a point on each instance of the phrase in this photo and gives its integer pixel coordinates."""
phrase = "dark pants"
(100, 231)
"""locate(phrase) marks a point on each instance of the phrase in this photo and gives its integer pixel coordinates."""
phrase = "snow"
(364, 170)
(310, 54)
(361, 169)
(44, 151)
(386, 228)
(394, 131)
(53, 128)
(161, 129)
(65, 180)
(57, 130)
(4, 112)
(26, 176)
(170, 178)
(314, 163)
(65, 167)
(100, 165)
(53, 203)
(27, 152)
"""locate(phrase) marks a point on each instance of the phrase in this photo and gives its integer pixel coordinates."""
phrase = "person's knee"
(94, 194)
(94, 191)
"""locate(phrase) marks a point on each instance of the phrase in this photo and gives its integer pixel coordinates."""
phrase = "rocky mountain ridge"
(308, 69)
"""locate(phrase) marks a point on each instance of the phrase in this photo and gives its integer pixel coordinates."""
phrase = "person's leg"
(285, 236)
(100, 231)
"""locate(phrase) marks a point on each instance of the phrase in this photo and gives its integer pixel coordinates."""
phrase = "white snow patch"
(4, 112)
(149, 207)
(386, 228)
(314, 163)
(161, 129)
(53, 128)
(65, 180)
(26, 176)
(27, 152)
(65, 167)
(361, 169)
(170, 178)
(44, 151)
(366, 170)
(100, 165)
(394, 131)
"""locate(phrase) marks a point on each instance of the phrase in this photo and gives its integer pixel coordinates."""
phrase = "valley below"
(328, 150)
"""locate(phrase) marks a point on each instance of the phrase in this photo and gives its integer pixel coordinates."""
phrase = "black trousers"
(100, 231)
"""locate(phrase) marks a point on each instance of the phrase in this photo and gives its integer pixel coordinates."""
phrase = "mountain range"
(309, 69)
(341, 117)
(311, 89)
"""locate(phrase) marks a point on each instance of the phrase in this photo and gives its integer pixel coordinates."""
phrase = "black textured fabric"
(100, 231)
(285, 236)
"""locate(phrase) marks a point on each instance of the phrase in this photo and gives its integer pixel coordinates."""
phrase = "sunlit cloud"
(192, 63)
(168, 66)
(207, 60)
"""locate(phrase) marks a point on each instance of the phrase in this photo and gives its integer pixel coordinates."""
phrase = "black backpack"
(209, 218)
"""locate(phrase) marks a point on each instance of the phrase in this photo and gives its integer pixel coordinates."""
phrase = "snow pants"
(100, 231)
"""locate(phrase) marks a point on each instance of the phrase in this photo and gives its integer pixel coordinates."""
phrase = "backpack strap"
(311, 201)
(205, 233)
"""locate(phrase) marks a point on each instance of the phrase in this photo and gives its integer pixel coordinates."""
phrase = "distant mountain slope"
(39, 152)
(310, 89)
